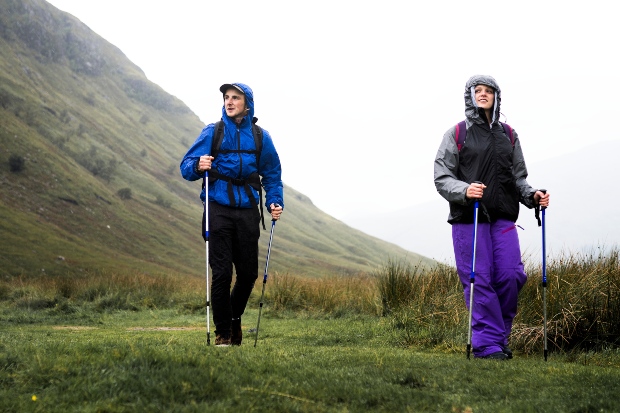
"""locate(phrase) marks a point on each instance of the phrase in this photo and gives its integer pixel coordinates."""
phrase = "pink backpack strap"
(461, 132)
(508, 132)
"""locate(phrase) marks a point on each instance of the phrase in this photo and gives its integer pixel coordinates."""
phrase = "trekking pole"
(206, 185)
(260, 308)
(472, 276)
(544, 278)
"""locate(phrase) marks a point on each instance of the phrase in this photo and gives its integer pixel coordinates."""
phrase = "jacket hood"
(249, 99)
(471, 109)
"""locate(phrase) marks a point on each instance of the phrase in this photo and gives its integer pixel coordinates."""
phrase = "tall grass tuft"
(335, 296)
(396, 281)
(102, 291)
(425, 307)
(583, 303)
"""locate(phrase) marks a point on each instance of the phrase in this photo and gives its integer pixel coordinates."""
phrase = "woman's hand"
(475, 190)
(541, 198)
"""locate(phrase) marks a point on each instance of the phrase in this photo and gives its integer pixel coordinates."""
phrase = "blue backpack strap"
(508, 132)
(461, 132)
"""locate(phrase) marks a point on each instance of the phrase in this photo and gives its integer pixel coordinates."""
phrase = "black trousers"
(233, 240)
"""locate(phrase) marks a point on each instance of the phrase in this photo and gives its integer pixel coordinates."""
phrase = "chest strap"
(252, 181)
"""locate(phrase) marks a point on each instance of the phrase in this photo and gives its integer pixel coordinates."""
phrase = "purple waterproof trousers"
(499, 276)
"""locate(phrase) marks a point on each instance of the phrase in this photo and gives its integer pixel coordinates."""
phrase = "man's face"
(485, 96)
(234, 102)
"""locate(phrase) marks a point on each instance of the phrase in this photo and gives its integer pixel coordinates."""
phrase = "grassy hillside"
(89, 154)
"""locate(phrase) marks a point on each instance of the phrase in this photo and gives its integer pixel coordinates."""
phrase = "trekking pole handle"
(275, 205)
(477, 182)
(544, 191)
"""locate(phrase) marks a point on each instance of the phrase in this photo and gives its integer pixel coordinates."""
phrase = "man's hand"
(276, 211)
(204, 163)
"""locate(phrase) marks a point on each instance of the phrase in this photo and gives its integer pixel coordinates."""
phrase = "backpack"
(461, 132)
(254, 179)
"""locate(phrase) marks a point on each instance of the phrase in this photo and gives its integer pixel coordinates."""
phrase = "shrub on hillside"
(161, 201)
(99, 167)
(124, 193)
(17, 163)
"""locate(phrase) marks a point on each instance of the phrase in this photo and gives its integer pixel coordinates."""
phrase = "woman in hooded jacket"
(487, 167)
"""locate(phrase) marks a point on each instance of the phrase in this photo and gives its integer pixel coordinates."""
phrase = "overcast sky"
(358, 94)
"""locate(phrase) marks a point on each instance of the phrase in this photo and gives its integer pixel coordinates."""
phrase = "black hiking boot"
(221, 341)
(236, 333)
(498, 355)
(507, 351)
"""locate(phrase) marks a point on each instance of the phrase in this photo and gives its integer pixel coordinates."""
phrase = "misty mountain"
(89, 175)
(583, 214)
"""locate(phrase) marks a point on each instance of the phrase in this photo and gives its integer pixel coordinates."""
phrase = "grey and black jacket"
(488, 156)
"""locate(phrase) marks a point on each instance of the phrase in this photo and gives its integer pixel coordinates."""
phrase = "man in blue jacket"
(233, 204)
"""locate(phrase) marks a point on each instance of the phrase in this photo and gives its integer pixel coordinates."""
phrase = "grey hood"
(471, 109)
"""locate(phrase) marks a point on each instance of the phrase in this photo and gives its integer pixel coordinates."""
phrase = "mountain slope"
(95, 148)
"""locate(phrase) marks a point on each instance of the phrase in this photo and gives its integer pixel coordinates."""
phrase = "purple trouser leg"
(499, 276)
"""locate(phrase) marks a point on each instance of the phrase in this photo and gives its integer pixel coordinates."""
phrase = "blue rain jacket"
(237, 165)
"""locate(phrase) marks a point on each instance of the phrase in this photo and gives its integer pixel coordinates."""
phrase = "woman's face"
(484, 96)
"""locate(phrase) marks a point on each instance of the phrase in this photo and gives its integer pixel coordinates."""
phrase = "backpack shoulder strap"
(461, 132)
(218, 136)
(508, 132)
(257, 132)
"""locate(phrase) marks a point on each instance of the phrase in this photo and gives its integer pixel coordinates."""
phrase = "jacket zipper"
(240, 165)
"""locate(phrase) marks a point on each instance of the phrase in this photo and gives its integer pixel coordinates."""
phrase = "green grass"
(394, 341)
(156, 361)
